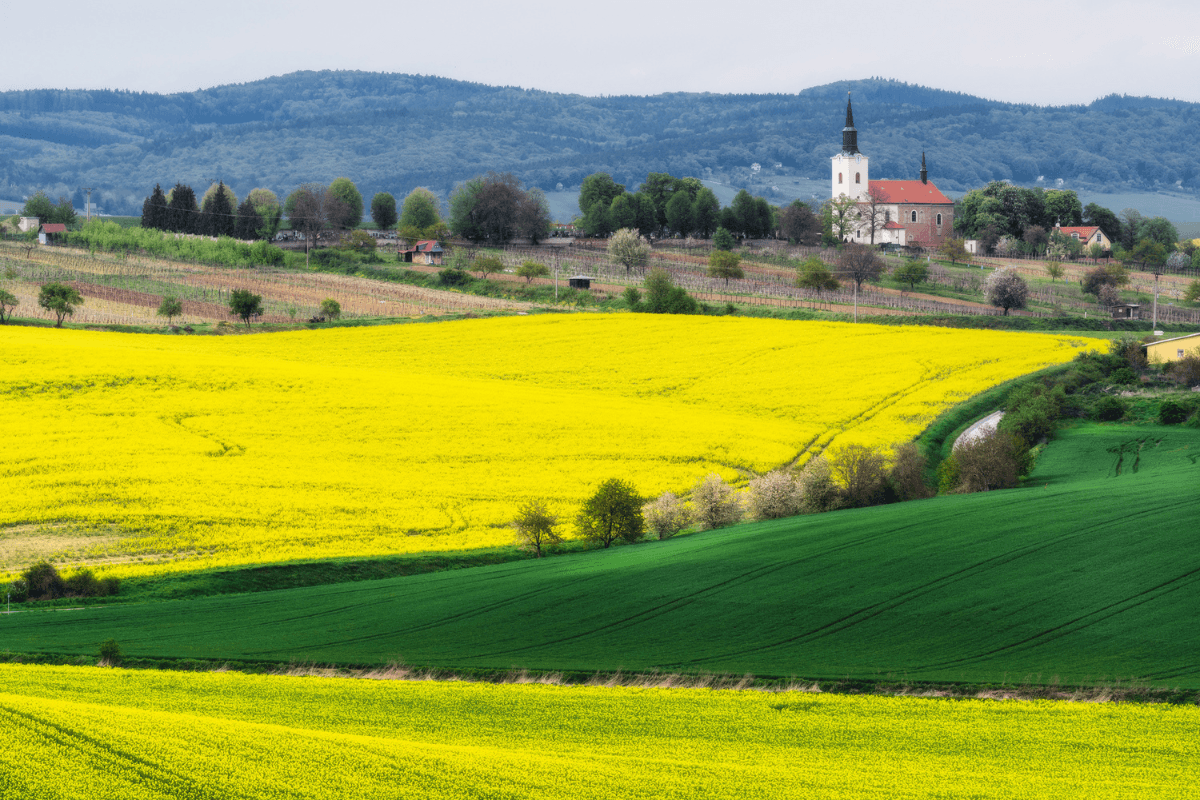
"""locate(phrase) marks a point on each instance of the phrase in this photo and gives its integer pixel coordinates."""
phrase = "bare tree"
(873, 212)
(860, 263)
(311, 209)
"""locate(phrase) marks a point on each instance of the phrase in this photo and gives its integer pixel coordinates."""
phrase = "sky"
(1044, 53)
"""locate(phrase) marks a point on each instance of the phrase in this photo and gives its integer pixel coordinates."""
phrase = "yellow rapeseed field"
(72, 732)
(144, 452)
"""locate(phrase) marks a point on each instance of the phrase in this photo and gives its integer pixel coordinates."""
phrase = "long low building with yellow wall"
(1174, 348)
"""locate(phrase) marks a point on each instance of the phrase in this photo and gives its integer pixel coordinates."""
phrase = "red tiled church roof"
(911, 192)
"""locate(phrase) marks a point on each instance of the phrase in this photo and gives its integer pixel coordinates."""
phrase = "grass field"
(80, 732)
(1083, 577)
(156, 453)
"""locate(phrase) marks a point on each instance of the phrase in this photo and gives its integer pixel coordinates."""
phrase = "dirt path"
(980, 428)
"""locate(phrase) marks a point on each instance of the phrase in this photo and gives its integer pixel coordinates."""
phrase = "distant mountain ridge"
(393, 132)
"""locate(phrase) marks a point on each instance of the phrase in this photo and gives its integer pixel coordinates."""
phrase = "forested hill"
(392, 132)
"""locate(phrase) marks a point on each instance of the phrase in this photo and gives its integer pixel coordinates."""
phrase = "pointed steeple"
(849, 134)
(924, 172)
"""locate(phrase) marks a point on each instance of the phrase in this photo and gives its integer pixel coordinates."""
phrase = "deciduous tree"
(1006, 289)
(266, 204)
(726, 265)
(843, 216)
(59, 299)
(170, 307)
(715, 502)
(861, 471)
(613, 512)
(8, 301)
(312, 208)
(629, 249)
(383, 210)
(860, 263)
(873, 210)
(667, 515)
(535, 527)
(421, 211)
(723, 239)
(532, 269)
(798, 224)
(245, 304)
(955, 250)
(349, 214)
(912, 272)
(330, 308)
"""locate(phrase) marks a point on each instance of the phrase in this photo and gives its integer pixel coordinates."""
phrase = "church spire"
(924, 172)
(849, 134)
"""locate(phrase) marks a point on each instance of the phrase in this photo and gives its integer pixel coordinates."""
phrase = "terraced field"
(1077, 579)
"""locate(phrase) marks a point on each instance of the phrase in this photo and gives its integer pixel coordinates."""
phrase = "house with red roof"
(907, 212)
(424, 252)
(1086, 234)
(52, 231)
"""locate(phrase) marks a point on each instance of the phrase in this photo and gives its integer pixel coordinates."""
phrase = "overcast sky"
(1018, 51)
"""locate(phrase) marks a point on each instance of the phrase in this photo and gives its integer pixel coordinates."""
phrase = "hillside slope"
(392, 132)
(1086, 575)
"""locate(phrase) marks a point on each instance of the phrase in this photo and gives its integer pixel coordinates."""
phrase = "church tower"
(849, 174)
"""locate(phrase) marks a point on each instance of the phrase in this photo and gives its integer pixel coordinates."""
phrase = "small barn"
(55, 231)
(1125, 311)
(1174, 348)
(579, 282)
(424, 252)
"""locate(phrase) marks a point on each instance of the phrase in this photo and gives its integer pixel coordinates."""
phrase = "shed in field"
(579, 282)
(424, 252)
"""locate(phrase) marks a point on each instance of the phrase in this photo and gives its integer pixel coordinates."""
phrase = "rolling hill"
(1090, 573)
(393, 132)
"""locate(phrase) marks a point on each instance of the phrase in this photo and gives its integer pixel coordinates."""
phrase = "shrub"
(715, 502)
(453, 277)
(82, 584)
(632, 297)
(1123, 377)
(775, 495)
(995, 460)
(110, 653)
(1108, 409)
(906, 478)
(860, 470)
(18, 591)
(43, 581)
(819, 491)
(667, 515)
(1172, 412)
(1187, 369)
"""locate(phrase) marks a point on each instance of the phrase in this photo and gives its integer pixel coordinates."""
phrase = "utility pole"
(89, 190)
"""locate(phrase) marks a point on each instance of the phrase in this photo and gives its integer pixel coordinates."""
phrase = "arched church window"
(914, 216)
(839, 177)
(858, 177)
(939, 220)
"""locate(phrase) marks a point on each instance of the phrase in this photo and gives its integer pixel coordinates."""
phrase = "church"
(905, 213)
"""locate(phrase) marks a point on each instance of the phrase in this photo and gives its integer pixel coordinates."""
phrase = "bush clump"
(1108, 409)
(775, 495)
(42, 581)
(715, 502)
(1172, 412)
(667, 515)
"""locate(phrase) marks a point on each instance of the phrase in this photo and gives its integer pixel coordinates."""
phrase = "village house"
(915, 212)
(1174, 348)
(1086, 234)
(424, 252)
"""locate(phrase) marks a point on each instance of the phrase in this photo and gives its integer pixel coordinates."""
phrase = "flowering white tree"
(1006, 289)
